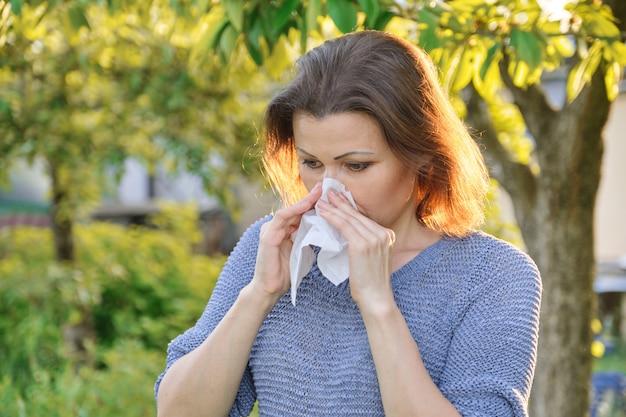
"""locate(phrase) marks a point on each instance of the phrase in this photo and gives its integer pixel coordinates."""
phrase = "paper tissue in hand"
(332, 258)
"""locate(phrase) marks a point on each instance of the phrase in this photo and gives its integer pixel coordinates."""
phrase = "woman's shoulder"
(492, 247)
(250, 236)
(488, 255)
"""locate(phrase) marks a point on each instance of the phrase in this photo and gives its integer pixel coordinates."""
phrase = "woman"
(436, 318)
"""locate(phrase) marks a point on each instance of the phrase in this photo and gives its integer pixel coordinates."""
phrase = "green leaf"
(265, 21)
(492, 54)
(382, 20)
(228, 41)
(480, 51)
(428, 23)
(212, 36)
(598, 21)
(282, 16)
(490, 82)
(304, 33)
(462, 70)
(114, 5)
(343, 14)
(527, 47)
(582, 71)
(16, 7)
(519, 72)
(234, 11)
(216, 21)
(203, 5)
(564, 46)
(552, 28)
(313, 10)
(619, 52)
(77, 17)
(253, 39)
(595, 56)
(447, 63)
(371, 8)
(6, 112)
(611, 80)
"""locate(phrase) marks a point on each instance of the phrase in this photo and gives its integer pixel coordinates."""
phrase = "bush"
(123, 387)
(130, 291)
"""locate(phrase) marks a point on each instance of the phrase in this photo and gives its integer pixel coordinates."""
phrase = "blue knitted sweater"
(472, 305)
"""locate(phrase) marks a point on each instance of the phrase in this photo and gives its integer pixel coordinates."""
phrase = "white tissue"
(332, 259)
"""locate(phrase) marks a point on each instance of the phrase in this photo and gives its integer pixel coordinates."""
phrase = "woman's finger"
(287, 219)
(350, 216)
(302, 206)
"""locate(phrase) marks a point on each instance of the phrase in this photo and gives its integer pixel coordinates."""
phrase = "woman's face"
(351, 148)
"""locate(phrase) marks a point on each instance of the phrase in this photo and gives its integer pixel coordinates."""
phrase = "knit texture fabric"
(471, 304)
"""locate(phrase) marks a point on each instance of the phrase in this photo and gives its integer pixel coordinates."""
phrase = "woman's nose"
(331, 173)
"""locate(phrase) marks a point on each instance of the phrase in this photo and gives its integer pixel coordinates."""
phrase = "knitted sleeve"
(237, 272)
(492, 355)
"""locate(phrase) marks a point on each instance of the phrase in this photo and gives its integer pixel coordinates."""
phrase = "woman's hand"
(271, 275)
(206, 380)
(370, 248)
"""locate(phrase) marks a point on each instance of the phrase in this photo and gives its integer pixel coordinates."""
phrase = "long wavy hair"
(395, 83)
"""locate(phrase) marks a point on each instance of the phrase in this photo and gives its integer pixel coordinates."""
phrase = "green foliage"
(122, 387)
(486, 45)
(263, 24)
(595, 21)
(466, 38)
(139, 287)
(86, 85)
(494, 222)
(615, 360)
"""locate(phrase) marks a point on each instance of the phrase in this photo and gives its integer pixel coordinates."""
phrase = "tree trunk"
(62, 225)
(554, 209)
(75, 335)
(563, 247)
(563, 250)
(564, 254)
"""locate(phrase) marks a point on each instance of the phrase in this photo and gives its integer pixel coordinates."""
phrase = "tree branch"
(516, 178)
(532, 102)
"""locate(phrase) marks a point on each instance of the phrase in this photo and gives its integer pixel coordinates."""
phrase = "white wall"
(610, 218)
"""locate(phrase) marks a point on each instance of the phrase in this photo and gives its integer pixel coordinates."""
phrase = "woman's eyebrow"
(302, 151)
(353, 153)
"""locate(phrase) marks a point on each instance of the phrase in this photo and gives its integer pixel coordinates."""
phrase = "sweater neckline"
(427, 257)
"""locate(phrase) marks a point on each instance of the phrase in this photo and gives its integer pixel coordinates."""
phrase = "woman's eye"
(358, 166)
(311, 163)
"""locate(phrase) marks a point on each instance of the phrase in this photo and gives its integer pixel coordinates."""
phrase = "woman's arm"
(205, 381)
(490, 362)
(491, 358)
(405, 385)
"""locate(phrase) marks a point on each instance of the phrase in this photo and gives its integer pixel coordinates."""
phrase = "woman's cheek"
(307, 180)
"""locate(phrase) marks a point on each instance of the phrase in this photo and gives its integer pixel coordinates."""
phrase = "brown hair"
(395, 83)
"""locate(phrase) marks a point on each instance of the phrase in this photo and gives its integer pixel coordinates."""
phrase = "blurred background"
(130, 138)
